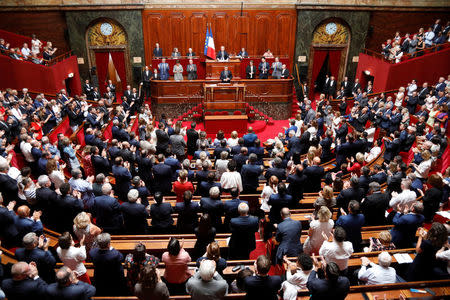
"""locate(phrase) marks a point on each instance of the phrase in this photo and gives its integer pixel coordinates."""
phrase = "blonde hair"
(273, 180)
(234, 134)
(324, 214)
(360, 157)
(183, 174)
(426, 155)
(82, 220)
(385, 237)
(327, 192)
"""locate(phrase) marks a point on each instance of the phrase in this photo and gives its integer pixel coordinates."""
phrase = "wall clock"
(331, 28)
(106, 29)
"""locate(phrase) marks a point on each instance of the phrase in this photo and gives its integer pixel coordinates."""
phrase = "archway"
(107, 45)
(328, 53)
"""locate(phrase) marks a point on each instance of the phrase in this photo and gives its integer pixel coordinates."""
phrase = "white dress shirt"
(73, 258)
(26, 151)
(377, 274)
(338, 253)
(294, 283)
(445, 256)
(423, 169)
(231, 180)
(405, 198)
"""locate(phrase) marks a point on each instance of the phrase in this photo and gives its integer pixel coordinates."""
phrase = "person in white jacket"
(73, 257)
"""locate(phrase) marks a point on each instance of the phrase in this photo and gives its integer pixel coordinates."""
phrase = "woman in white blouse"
(233, 140)
(338, 250)
(73, 257)
(424, 167)
(221, 164)
(400, 96)
(231, 179)
(324, 225)
(269, 189)
(54, 173)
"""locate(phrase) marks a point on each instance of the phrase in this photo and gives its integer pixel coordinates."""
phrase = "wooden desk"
(224, 96)
(227, 123)
(214, 68)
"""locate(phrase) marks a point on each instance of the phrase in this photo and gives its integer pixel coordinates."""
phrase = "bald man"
(67, 286)
(288, 235)
(243, 229)
(25, 282)
(25, 224)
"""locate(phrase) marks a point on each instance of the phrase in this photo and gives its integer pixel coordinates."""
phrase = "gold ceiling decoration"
(115, 37)
(339, 37)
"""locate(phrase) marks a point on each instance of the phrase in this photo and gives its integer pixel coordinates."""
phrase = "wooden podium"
(213, 68)
(224, 96)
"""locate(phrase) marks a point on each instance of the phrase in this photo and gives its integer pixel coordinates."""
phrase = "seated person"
(380, 273)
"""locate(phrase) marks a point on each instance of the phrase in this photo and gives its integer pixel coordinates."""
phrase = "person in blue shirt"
(249, 138)
(352, 223)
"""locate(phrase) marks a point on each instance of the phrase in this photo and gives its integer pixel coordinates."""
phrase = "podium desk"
(227, 123)
(224, 96)
(214, 68)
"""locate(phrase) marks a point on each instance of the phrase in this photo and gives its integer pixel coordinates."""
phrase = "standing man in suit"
(88, 89)
(8, 185)
(262, 286)
(226, 75)
(222, 55)
(250, 71)
(161, 214)
(276, 68)
(284, 72)
(288, 235)
(263, 69)
(191, 69)
(67, 286)
(157, 52)
(250, 174)
(108, 268)
(423, 92)
(162, 175)
(347, 87)
(356, 86)
(314, 175)
(163, 70)
(106, 209)
(155, 75)
(326, 85)
(122, 175)
(332, 88)
(146, 76)
(112, 87)
(190, 53)
(134, 214)
(406, 222)
(96, 94)
(243, 229)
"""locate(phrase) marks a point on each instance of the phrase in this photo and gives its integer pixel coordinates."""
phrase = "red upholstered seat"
(237, 113)
(224, 113)
(217, 113)
(208, 113)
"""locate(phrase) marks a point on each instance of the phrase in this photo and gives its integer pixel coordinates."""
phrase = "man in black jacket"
(25, 282)
(146, 77)
(352, 193)
(8, 185)
(243, 229)
(134, 214)
(374, 206)
(192, 137)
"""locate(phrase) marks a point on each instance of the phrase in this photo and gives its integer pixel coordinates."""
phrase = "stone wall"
(358, 22)
(79, 21)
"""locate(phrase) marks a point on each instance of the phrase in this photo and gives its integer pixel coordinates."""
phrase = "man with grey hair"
(46, 145)
(250, 173)
(46, 199)
(36, 250)
(405, 198)
(243, 229)
(106, 209)
(406, 222)
(213, 206)
(374, 206)
(134, 214)
(67, 286)
(108, 269)
(380, 273)
(288, 235)
(207, 283)
(77, 183)
(25, 282)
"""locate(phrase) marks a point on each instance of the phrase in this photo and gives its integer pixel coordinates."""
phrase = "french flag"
(210, 49)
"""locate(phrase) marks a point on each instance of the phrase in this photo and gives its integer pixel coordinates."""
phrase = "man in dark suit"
(230, 207)
(192, 137)
(354, 192)
(187, 214)
(406, 222)
(243, 53)
(100, 162)
(25, 282)
(157, 51)
(347, 87)
(46, 198)
(374, 206)
(314, 175)
(294, 145)
(190, 53)
(134, 214)
(262, 286)
(250, 71)
(88, 89)
(36, 250)
(277, 202)
(423, 92)
(352, 223)
(297, 183)
(392, 147)
(162, 139)
(226, 75)
(191, 70)
(332, 88)
(243, 229)
(162, 176)
(250, 173)
(284, 72)
(106, 209)
(68, 208)
(332, 286)
(250, 137)
(263, 68)
(163, 70)
(108, 268)
(161, 214)
(213, 206)
(326, 85)
(222, 55)
(276, 170)
(378, 175)
(121, 172)
(146, 77)
(288, 235)
(67, 286)
(356, 86)
(8, 229)
(411, 103)
(8, 185)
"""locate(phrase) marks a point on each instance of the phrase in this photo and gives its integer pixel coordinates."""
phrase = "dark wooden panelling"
(255, 30)
(48, 26)
(384, 25)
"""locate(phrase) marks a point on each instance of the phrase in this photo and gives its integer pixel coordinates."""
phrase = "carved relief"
(97, 35)
(336, 34)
